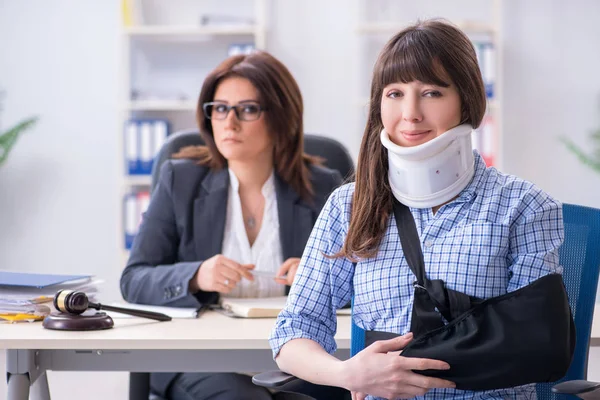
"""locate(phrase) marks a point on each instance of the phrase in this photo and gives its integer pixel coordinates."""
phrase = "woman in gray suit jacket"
(246, 202)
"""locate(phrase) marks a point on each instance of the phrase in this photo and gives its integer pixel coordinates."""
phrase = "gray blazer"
(185, 223)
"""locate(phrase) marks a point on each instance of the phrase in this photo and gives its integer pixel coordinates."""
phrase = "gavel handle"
(136, 313)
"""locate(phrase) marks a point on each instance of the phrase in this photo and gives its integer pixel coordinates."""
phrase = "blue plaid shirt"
(500, 234)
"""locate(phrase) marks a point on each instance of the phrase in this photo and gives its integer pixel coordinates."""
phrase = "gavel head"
(70, 301)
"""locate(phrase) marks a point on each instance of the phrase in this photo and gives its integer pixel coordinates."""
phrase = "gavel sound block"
(71, 304)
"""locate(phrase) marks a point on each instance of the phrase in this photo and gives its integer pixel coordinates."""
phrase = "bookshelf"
(161, 105)
(379, 20)
(189, 31)
(167, 50)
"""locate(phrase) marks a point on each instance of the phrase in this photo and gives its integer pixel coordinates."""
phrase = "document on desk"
(37, 280)
(25, 295)
(266, 307)
(173, 312)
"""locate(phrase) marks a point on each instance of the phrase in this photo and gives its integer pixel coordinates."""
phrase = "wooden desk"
(212, 343)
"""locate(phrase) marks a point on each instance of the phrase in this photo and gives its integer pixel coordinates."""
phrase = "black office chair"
(335, 156)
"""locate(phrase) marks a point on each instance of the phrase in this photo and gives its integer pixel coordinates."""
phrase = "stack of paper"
(266, 307)
(28, 296)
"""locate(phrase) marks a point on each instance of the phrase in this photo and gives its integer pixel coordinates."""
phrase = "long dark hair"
(431, 52)
(280, 95)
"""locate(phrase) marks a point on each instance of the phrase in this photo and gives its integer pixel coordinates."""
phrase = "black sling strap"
(429, 294)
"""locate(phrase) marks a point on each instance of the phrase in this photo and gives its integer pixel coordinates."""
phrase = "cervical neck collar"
(431, 173)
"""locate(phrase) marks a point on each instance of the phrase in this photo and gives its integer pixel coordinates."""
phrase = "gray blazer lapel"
(210, 211)
(295, 220)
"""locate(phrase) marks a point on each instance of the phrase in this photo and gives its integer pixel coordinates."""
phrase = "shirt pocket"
(472, 259)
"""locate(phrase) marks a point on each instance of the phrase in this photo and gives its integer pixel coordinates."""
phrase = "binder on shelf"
(131, 219)
(132, 13)
(489, 71)
(484, 49)
(477, 47)
(143, 140)
(240, 48)
(131, 148)
(143, 201)
(160, 133)
(135, 205)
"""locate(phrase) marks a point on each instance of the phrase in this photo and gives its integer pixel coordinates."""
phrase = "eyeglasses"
(247, 111)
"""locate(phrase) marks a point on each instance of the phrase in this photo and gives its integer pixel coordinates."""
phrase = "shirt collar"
(267, 190)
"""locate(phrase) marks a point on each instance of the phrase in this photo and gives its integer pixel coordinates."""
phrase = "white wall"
(60, 60)
(552, 89)
(58, 190)
(315, 40)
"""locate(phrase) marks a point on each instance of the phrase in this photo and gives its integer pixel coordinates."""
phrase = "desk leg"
(40, 389)
(23, 370)
(18, 387)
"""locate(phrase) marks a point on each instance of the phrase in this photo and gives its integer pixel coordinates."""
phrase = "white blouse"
(265, 253)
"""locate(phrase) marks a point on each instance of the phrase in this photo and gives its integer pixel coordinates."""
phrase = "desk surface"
(211, 331)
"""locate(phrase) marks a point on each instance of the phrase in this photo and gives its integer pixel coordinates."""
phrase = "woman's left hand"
(288, 268)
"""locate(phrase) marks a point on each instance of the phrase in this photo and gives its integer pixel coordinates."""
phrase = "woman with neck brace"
(482, 232)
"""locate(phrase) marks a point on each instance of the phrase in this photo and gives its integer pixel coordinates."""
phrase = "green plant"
(9, 138)
(591, 160)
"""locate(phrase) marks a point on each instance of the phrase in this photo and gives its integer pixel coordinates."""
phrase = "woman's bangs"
(406, 60)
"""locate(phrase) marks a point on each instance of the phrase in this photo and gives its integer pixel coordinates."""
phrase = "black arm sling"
(525, 336)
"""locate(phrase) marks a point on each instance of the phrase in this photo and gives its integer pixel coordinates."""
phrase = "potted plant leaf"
(591, 160)
(9, 138)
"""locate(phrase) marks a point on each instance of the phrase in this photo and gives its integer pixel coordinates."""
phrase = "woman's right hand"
(220, 274)
(379, 371)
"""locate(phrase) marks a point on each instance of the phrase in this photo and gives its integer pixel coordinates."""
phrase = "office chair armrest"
(273, 379)
(575, 387)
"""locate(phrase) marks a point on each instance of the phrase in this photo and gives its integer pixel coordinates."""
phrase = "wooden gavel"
(73, 302)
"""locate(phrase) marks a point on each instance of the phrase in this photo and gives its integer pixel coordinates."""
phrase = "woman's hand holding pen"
(378, 371)
(287, 271)
(220, 274)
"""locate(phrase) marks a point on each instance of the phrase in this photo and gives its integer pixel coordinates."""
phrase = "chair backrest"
(172, 145)
(335, 154)
(580, 257)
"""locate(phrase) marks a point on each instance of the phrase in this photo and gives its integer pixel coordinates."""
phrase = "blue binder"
(142, 140)
(33, 280)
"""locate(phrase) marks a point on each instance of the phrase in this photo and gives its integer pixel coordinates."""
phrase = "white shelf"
(391, 27)
(147, 54)
(175, 30)
(138, 180)
(161, 105)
